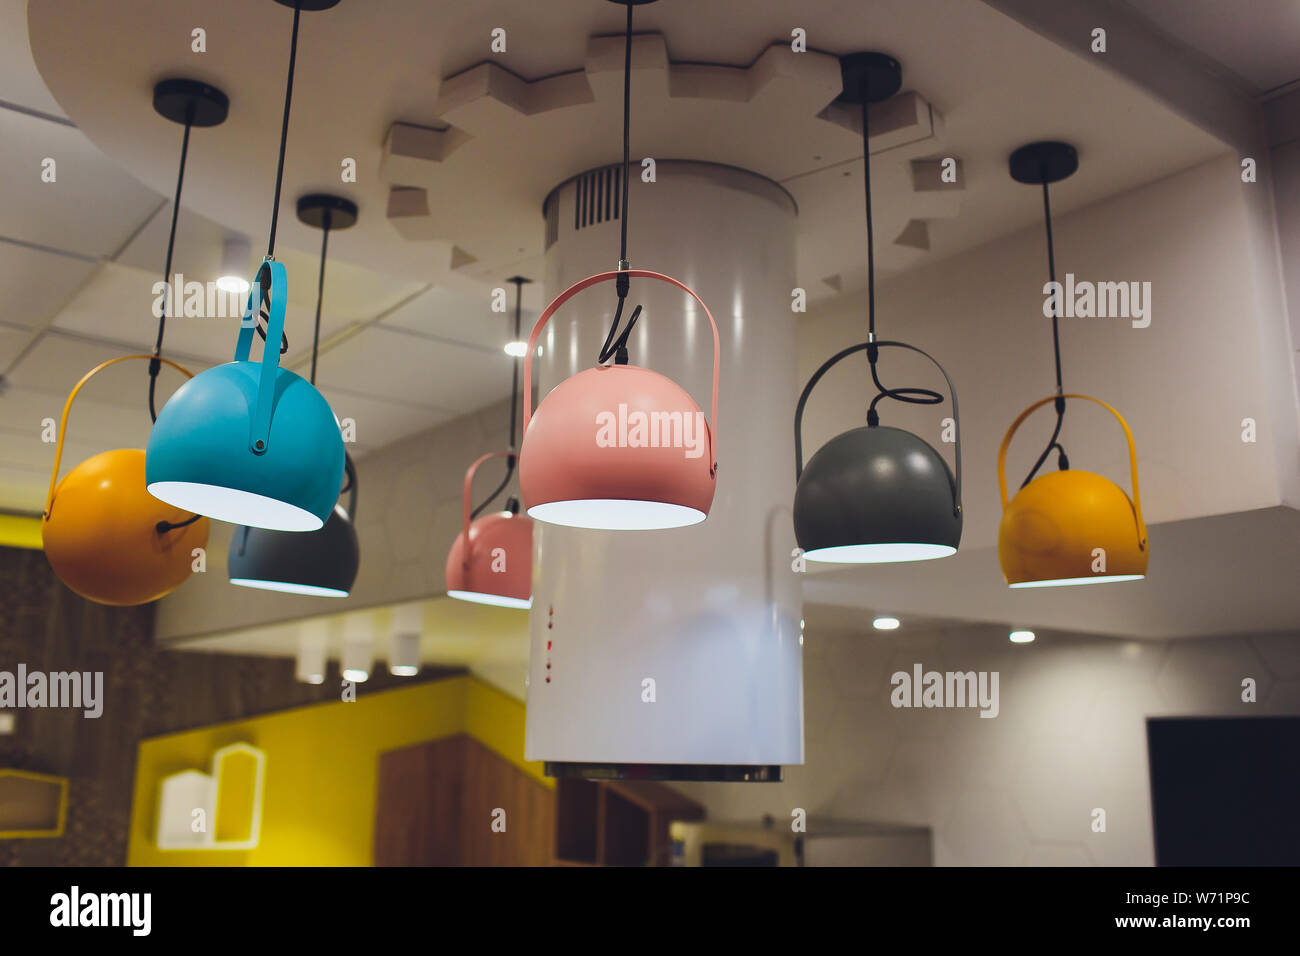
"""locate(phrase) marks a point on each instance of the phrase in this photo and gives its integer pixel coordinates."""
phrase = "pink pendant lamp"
(618, 447)
(491, 560)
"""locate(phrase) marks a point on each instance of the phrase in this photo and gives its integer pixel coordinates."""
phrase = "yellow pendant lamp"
(104, 535)
(1067, 527)
(1071, 527)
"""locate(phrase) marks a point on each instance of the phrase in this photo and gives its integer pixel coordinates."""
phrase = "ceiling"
(1256, 42)
(409, 339)
(408, 336)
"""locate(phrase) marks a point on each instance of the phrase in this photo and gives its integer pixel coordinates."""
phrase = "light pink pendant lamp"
(618, 447)
(491, 560)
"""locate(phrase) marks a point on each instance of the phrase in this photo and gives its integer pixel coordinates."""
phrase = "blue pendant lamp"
(876, 494)
(321, 563)
(250, 442)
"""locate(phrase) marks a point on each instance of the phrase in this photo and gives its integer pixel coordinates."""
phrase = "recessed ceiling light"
(885, 623)
(516, 349)
(1022, 637)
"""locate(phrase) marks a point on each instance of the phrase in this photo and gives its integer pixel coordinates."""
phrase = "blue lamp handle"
(259, 434)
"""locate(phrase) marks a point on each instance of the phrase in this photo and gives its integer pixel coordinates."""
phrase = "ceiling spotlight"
(517, 349)
(236, 255)
(404, 649)
(1022, 637)
(358, 650)
(886, 623)
(310, 665)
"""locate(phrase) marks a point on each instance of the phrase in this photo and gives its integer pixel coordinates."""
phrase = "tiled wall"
(1020, 788)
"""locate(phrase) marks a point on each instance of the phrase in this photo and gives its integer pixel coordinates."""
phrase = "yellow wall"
(21, 531)
(321, 769)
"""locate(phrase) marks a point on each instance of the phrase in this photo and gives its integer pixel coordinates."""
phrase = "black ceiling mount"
(189, 101)
(1045, 162)
(313, 207)
(631, 3)
(869, 77)
(308, 4)
(519, 279)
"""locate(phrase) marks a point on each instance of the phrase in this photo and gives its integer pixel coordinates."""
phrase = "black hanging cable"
(279, 171)
(1063, 461)
(618, 349)
(154, 363)
(320, 289)
(911, 396)
(512, 505)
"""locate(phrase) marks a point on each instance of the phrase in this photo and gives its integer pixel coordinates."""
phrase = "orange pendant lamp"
(104, 535)
(491, 560)
(1067, 527)
(618, 447)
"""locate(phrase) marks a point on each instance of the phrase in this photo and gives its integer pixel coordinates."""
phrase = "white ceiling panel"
(12, 342)
(20, 81)
(56, 363)
(117, 304)
(404, 367)
(37, 283)
(445, 314)
(378, 422)
(91, 208)
(94, 423)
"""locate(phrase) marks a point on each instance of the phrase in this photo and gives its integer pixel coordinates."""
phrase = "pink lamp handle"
(469, 490)
(577, 287)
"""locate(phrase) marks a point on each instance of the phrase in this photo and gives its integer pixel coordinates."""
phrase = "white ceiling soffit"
(1169, 50)
(1185, 594)
(491, 641)
(1256, 41)
(993, 83)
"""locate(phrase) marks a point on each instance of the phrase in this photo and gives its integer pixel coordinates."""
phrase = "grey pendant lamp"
(876, 494)
(324, 562)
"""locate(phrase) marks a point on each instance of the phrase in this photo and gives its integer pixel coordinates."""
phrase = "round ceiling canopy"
(1046, 162)
(190, 101)
(314, 207)
(308, 4)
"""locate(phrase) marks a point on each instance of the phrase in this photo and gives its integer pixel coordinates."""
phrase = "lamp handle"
(469, 493)
(1132, 456)
(862, 347)
(577, 287)
(67, 407)
(260, 426)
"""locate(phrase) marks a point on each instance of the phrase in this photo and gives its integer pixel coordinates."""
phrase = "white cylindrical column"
(677, 648)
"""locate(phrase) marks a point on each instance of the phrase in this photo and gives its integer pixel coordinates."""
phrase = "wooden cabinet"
(618, 822)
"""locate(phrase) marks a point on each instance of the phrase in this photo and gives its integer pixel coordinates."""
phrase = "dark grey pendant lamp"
(324, 562)
(876, 494)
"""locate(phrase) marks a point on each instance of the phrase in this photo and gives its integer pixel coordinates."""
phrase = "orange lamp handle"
(67, 407)
(577, 287)
(1132, 456)
(469, 489)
